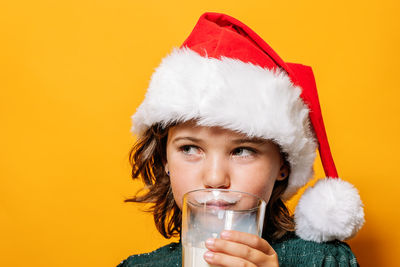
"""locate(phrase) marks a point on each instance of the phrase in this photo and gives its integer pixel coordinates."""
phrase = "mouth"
(218, 200)
(220, 204)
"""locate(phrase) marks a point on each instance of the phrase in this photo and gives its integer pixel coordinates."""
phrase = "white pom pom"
(330, 210)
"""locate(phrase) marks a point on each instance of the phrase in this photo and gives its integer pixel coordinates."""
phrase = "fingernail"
(225, 234)
(208, 255)
(210, 242)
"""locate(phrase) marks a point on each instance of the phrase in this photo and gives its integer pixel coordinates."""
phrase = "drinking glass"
(207, 212)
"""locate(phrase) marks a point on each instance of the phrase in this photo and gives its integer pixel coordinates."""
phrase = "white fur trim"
(330, 210)
(235, 95)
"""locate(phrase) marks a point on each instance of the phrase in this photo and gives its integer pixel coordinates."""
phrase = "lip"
(219, 203)
(217, 200)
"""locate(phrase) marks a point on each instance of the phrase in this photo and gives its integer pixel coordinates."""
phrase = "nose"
(216, 172)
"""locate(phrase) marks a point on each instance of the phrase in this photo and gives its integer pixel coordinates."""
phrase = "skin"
(213, 157)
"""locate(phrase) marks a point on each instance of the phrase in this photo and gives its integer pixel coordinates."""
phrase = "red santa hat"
(225, 75)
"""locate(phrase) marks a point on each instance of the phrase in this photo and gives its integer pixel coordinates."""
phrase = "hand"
(236, 248)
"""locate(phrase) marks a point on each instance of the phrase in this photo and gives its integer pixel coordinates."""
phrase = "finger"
(220, 259)
(250, 240)
(238, 250)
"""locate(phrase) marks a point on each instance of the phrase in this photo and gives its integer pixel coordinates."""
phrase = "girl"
(225, 111)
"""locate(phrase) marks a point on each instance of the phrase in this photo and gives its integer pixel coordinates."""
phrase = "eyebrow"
(187, 138)
(235, 141)
(250, 140)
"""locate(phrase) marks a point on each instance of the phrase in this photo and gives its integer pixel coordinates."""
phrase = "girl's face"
(212, 157)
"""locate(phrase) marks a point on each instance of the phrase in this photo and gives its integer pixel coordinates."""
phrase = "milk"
(193, 256)
(193, 245)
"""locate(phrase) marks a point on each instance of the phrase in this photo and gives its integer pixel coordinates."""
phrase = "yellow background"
(73, 72)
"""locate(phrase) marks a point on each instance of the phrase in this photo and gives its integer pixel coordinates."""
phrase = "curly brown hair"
(148, 157)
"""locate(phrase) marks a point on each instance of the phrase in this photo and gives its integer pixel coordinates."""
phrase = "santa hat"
(225, 75)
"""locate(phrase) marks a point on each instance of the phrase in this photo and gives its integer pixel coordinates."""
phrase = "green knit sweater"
(291, 250)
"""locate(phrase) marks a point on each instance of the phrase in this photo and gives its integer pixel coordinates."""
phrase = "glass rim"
(223, 190)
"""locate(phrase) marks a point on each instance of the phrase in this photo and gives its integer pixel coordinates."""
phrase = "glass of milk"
(207, 212)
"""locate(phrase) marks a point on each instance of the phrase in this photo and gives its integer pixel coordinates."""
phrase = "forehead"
(190, 128)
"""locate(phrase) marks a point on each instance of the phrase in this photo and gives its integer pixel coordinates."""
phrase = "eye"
(243, 152)
(189, 149)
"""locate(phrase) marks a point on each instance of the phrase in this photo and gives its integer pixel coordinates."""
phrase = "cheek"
(258, 179)
(184, 177)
